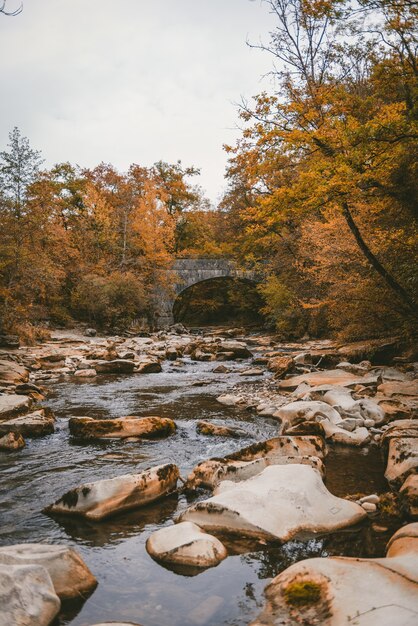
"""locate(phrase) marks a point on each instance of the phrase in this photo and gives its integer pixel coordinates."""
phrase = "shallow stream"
(132, 587)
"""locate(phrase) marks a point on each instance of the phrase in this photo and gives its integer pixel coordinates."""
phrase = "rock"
(229, 399)
(236, 348)
(302, 411)
(253, 371)
(402, 459)
(178, 329)
(116, 624)
(409, 496)
(13, 404)
(338, 591)
(171, 353)
(350, 424)
(328, 377)
(27, 596)
(283, 502)
(90, 373)
(36, 424)
(69, 574)
(206, 428)
(220, 369)
(12, 441)
(117, 366)
(358, 437)
(373, 498)
(280, 365)
(149, 367)
(12, 373)
(144, 427)
(210, 473)
(279, 447)
(90, 332)
(399, 388)
(185, 544)
(369, 507)
(103, 498)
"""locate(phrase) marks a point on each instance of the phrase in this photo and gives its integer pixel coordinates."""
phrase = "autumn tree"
(333, 137)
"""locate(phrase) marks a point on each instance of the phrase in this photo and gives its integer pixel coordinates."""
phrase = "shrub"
(109, 301)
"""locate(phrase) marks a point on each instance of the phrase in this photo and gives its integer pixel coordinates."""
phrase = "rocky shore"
(320, 395)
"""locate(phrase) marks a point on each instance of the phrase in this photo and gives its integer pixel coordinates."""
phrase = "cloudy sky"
(126, 81)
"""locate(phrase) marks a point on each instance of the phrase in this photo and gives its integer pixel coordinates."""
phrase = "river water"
(132, 587)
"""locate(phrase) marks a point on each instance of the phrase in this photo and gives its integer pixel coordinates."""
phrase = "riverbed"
(132, 587)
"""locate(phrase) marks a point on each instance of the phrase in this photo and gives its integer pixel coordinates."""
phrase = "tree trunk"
(387, 277)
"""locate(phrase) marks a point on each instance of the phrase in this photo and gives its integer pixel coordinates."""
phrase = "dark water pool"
(132, 587)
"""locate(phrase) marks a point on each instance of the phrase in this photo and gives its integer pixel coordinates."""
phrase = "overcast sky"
(126, 81)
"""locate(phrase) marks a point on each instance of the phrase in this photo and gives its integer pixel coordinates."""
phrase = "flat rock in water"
(186, 544)
(117, 366)
(12, 373)
(69, 574)
(402, 459)
(327, 377)
(103, 498)
(13, 404)
(12, 441)
(144, 427)
(36, 424)
(339, 591)
(27, 596)
(210, 473)
(283, 502)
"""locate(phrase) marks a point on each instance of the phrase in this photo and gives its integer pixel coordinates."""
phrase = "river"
(132, 587)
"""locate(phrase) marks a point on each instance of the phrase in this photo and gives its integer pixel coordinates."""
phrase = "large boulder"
(399, 388)
(305, 410)
(339, 591)
(117, 366)
(210, 473)
(144, 427)
(12, 373)
(281, 503)
(27, 596)
(185, 544)
(237, 349)
(103, 498)
(280, 365)
(13, 404)
(36, 424)
(402, 460)
(69, 574)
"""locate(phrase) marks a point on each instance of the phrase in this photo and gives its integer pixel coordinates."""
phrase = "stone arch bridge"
(187, 272)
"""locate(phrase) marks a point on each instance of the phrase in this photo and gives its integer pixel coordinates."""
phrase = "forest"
(321, 196)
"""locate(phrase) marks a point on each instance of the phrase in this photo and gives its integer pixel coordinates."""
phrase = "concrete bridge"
(187, 272)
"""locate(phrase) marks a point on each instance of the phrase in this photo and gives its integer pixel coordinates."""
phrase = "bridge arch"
(188, 272)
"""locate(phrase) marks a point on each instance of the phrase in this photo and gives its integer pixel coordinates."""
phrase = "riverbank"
(187, 376)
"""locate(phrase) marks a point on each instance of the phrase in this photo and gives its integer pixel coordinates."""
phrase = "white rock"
(229, 399)
(87, 373)
(369, 507)
(69, 574)
(343, 591)
(103, 498)
(186, 544)
(283, 502)
(373, 498)
(302, 411)
(27, 596)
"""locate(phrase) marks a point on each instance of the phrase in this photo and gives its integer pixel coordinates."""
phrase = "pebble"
(379, 529)
(372, 498)
(369, 507)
